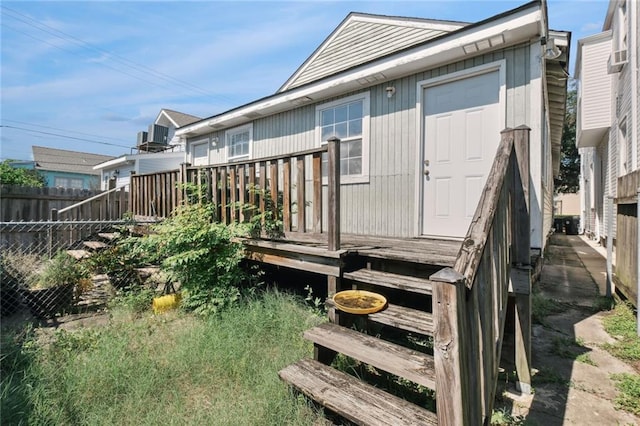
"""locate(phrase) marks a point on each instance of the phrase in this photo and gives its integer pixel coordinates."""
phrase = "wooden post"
(317, 192)
(333, 179)
(300, 196)
(286, 196)
(521, 260)
(134, 188)
(459, 397)
(52, 218)
(638, 260)
(611, 287)
(182, 181)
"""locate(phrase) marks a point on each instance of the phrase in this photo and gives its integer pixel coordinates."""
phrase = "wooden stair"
(351, 398)
(407, 315)
(400, 317)
(391, 280)
(386, 356)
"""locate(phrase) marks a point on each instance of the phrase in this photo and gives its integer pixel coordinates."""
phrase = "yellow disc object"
(166, 303)
(359, 301)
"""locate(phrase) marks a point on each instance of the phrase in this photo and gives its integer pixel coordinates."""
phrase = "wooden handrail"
(88, 200)
(470, 299)
(474, 242)
(311, 151)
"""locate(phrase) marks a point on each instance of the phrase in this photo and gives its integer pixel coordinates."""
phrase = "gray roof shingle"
(61, 160)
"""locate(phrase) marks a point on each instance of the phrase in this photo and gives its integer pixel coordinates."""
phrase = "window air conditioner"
(617, 59)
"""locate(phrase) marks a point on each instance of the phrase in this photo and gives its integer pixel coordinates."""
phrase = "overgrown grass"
(542, 307)
(629, 397)
(170, 369)
(621, 324)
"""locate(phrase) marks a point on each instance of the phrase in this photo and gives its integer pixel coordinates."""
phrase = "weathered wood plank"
(353, 399)
(95, 245)
(286, 195)
(333, 179)
(401, 317)
(317, 192)
(403, 362)
(301, 200)
(389, 280)
(294, 263)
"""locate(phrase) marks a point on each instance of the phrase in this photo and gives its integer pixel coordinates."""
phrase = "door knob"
(426, 172)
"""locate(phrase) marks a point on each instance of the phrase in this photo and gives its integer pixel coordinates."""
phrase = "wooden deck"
(310, 252)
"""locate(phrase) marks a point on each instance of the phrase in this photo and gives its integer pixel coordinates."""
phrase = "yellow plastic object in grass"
(166, 303)
(359, 301)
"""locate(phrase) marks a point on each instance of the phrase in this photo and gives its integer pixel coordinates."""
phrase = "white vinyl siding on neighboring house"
(200, 153)
(239, 142)
(348, 120)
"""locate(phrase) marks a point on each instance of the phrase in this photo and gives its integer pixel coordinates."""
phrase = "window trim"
(227, 140)
(200, 142)
(365, 97)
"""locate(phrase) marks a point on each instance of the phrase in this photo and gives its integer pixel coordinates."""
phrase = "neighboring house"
(567, 205)
(68, 169)
(608, 114)
(161, 134)
(158, 149)
(418, 105)
(117, 172)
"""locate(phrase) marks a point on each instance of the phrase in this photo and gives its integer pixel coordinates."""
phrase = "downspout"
(633, 53)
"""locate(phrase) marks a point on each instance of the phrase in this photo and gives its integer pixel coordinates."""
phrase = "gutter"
(515, 27)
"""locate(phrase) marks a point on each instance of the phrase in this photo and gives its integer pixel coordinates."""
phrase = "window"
(200, 153)
(73, 183)
(239, 142)
(348, 120)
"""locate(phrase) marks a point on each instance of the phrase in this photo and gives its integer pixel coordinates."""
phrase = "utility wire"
(122, 60)
(61, 130)
(63, 136)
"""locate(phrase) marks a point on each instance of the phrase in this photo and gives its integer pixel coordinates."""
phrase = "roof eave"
(516, 26)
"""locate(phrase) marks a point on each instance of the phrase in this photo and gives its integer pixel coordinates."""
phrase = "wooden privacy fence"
(108, 205)
(25, 204)
(290, 185)
(155, 194)
(470, 299)
(627, 244)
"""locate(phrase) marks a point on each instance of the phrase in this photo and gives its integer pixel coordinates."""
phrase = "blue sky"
(88, 75)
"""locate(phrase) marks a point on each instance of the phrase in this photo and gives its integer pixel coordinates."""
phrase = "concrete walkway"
(572, 373)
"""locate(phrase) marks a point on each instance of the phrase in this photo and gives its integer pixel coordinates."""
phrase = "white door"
(462, 124)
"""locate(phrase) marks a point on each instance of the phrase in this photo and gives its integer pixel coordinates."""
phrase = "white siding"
(386, 205)
(150, 163)
(594, 111)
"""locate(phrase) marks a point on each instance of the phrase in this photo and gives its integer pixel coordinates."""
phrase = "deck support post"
(521, 260)
(333, 226)
(182, 180)
(459, 397)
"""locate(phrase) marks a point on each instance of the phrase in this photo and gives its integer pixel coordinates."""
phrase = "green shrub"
(203, 256)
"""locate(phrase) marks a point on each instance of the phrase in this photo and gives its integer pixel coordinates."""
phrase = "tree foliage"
(569, 179)
(201, 254)
(15, 176)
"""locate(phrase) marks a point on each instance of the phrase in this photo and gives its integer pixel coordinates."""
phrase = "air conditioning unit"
(158, 134)
(142, 138)
(617, 59)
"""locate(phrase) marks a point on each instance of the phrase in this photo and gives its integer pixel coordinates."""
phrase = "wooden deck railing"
(627, 243)
(470, 299)
(109, 205)
(290, 185)
(155, 194)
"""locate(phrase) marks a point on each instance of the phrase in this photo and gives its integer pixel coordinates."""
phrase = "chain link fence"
(52, 268)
